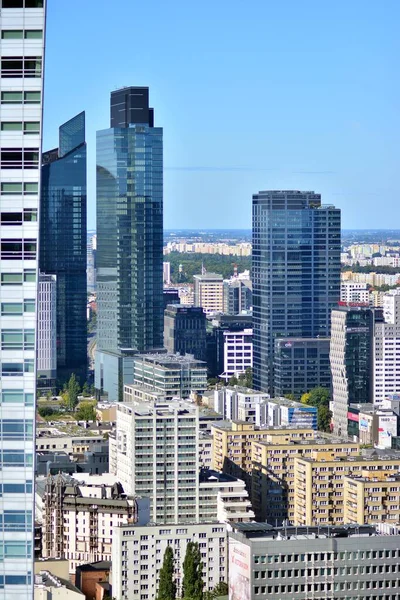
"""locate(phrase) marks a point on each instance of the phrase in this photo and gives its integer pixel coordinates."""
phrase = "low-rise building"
(371, 497)
(138, 556)
(93, 579)
(238, 403)
(224, 498)
(50, 587)
(313, 562)
(171, 375)
(285, 412)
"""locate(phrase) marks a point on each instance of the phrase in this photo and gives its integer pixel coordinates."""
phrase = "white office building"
(138, 552)
(22, 24)
(240, 404)
(386, 349)
(167, 272)
(156, 456)
(47, 330)
(238, 353)
(354, 292)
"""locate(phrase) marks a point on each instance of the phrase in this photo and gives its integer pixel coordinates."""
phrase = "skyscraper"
(295, 272)
(22, 25)
(63, 243)
(129, 239)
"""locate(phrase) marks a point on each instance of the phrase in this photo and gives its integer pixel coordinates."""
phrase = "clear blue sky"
(256, 94)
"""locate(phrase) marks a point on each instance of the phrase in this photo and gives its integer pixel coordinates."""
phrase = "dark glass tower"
(295, 272)
(129, 239)
(63, 243)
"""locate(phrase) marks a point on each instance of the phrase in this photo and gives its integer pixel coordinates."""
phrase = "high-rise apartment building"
(156, 457)
(209, 292)
(63, 243)
(129, 256)
(295, 272)
(351, 358)
(386, 349)
(22, 25)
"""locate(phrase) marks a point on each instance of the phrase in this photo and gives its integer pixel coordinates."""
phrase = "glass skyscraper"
(22, 24)
(129, 239)
(295, 272)
(63, 243)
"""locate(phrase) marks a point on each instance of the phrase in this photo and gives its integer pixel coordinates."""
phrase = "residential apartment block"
(386, 349)
(370, 497)
(138, 556)
(209, 292)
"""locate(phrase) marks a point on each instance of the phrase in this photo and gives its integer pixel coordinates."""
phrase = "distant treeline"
(213, 263)
(384, 270)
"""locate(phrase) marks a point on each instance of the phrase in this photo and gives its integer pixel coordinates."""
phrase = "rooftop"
(260, 531)
(170, 360)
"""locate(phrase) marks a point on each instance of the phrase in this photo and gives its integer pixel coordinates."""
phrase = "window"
(11, 278)
(11, 126)
(21, 66)
(12, 396)
(17, 218)
(27, 127)
(12, 97)
(31, 127)
(29, 305)
(30, 276)
(11, 308)
(18, 158)
(12, 34)
(22, 4)
(31, 97)
(17, 549)
(33, 34)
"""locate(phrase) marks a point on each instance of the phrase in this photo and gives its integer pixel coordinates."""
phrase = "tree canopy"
(167, 585)
(320, 397)
(192, 585)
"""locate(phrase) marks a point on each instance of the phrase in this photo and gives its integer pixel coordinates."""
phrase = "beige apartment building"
(209, 292)
(232, 447)
(319, 484)
(371, 497)
(273, 469)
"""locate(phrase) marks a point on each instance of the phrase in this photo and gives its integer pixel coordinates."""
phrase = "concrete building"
(224, 498)
(130, 308)
(166, 273)
(47, 332)
(351, 359)
(217, 326)
(373, 425)
(239, 403)
(50, 587)
(209, 292)
(171, 296)
(273, 457)
(185, 330)
(171, 375)
(371, 497)
(91, 261)
(138, 555)
(288, 413)
(156, 456)
(354, 292)
(318, 483)
(238, 295)
(301, 364)
(93, 579)
(386, 349)
(355, 562)
(78, 519)
(295, 286)
(238, 353)
(22, 26)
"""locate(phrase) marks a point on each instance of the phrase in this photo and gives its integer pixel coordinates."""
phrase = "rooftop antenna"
(203, 270)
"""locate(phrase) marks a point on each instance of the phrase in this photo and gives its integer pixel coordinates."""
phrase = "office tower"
(185, 330)
(22, 26)
(209, 292)
(387, 349)
(295, 272)
(351, 358)
(335, 562)
(47, 332)
(129, 256)
(63, 243)
(238, 295)
(172, 375)
(157, 457)
(238, 353)
(216, 338)
(301, 364)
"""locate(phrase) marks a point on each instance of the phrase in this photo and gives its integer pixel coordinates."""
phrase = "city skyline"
(320, 82)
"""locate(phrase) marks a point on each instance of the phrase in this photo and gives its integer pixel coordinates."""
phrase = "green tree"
(72, 392)
(233, 381)
(320, 398)
(221, 589)
(290, 396)
(85, 390)
(86, 412)
(192, 584)
(247, 378)
(46, 411)
(167, 585)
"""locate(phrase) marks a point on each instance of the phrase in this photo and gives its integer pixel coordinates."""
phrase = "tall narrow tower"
(295, 272)
(129, 239)
(22, 25)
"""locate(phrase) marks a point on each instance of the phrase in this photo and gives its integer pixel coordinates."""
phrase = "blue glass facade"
(295, 272)
(63, 243)
(129, 241)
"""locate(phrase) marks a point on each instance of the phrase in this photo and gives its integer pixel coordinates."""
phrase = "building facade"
(185, 330)
(129, 254)
(313, 562)
(238, 294)
(238, 353)
(209, 292)
(351, 358)
(138, 556)
(301, 364)
(22, 26)
(63, 243)
(156, 456)
(171, 375)
(295, 272)
(386, 350)
(47, 332)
